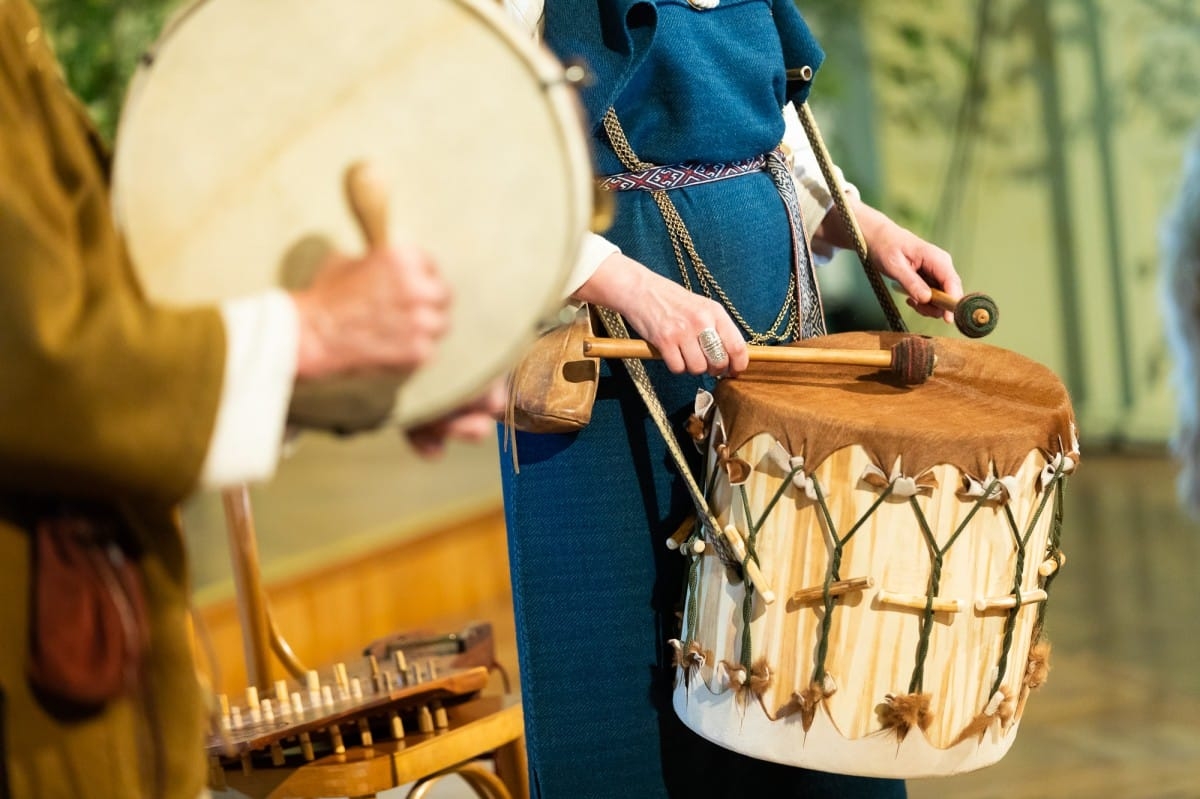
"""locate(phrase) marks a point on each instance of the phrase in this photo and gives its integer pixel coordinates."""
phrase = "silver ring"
(711, 346)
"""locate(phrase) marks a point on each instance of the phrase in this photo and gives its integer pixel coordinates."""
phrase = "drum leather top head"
(982, 411)
(243, 120)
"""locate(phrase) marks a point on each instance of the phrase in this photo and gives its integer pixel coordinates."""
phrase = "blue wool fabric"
(595, 590)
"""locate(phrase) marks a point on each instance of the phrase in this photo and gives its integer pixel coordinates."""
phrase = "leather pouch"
(88, 622)
(553, 388)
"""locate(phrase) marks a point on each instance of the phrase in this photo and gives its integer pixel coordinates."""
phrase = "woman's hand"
(901, 255)
(667, 315)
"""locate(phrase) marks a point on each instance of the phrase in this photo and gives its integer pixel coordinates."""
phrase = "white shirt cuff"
(594, 250)
(811, 188)
(527, 14)
(262, 335)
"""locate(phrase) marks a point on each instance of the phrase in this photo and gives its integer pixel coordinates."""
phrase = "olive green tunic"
(102, 397)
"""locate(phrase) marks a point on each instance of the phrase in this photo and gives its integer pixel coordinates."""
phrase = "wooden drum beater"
(910, 360)
(975, 315)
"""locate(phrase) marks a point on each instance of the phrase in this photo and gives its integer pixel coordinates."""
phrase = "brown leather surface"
(984, 405)
(553, 388)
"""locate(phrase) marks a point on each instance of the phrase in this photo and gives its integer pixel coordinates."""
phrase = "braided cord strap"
(641, 380)
(886, 301)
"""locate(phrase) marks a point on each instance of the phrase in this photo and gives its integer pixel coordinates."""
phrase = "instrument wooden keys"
(327, 722)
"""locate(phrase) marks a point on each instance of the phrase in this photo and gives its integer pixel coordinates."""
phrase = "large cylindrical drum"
(874, 602)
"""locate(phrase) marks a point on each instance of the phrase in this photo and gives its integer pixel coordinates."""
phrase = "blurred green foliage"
(99, 43)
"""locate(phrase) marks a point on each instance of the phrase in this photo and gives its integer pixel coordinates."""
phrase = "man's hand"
(472, 422)
(385, 310)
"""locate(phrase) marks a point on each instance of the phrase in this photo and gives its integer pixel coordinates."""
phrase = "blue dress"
(595, 590)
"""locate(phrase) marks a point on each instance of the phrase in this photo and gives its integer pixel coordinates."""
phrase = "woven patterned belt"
(662, 178)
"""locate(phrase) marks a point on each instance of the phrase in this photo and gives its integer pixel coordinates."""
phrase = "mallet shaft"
(637, 348)
(943, 300)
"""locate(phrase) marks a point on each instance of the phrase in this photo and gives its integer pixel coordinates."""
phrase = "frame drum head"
(241, 123)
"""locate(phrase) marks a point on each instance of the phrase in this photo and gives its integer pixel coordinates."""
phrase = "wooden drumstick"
(1052, 564)
(757, 579)
(367, 196)
(1009, 601)
(918, 602)
(835, 589)
(912, 358)
(975, 315)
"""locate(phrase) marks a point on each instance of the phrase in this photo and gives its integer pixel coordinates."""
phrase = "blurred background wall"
(1039, 141)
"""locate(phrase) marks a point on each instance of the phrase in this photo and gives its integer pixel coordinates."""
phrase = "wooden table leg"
(512, 767)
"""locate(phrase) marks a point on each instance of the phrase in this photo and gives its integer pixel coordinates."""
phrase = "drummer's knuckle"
(420, 349)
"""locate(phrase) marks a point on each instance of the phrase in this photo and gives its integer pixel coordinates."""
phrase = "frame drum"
(243, 119)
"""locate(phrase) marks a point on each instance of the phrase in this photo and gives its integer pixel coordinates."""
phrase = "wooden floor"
(1120, 716)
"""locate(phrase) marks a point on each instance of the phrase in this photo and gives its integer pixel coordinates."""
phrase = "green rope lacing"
(747, 610)
(834, 572)
(691, 609)
(1021, 542)
(755, 525)
(935, 579)
(1053, 550)
(937, 556)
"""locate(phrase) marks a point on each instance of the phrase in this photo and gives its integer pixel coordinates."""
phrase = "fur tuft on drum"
(903, 539)
(245, 117)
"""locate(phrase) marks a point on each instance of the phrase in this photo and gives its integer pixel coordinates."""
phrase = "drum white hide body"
(243, 120)
(907, 536)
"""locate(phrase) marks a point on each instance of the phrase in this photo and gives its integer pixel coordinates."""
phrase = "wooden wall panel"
(439, 580)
